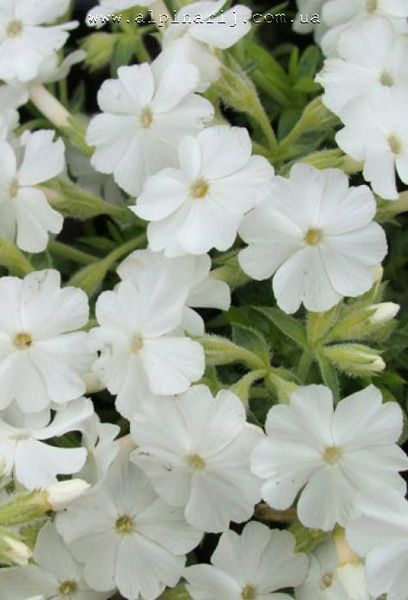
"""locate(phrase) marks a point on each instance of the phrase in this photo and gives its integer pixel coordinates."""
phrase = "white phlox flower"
(99, 441)
(200, 29)
(146, 112)
(200, 460)
(11, 98)
(380, 534)
(25, 214)
(200, 205)
(142, 350)
(205, 291)
(327, 580)
(42, 355)
(334, 456)
(126, 536)
(317, 236)
(340, 15)
(34, 463)
(371, 56)
(376, 132)
(255, 564)
(56, 575)
(27, 39)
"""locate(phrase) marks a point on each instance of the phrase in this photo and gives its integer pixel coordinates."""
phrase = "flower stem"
(70, 253)
(49, 106)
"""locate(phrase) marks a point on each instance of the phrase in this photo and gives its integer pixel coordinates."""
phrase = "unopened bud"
(99, 48)
(17, 552)
(383, 312)
(355, 359)
(60, 494)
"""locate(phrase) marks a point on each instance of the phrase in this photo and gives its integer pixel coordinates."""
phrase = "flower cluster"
(194, 399)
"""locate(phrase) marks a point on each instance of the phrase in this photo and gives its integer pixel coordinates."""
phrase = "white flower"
(380, 534)
(371, 56)
(200, 205)
(25, 215)
(200, 459)
(199, 29)
(53, 69)
(336, 456)
(317, 234)
(339, 15)
(55, 576)
(42, 357)
(62, 493)
(376, 132)
(204, 290)
(99, 441)
(327, 580)
(141, 351)
(22, 443)
(103, 12)
(126, 536)
(11, 98)
(254, 564)
(25, 37)
(145, 114)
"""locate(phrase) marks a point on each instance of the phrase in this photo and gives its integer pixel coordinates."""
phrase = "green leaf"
(307, 85)
(178, 593)
(329, 375)
(309, 62)
(289, 326)
(123, 52)
(252, 340)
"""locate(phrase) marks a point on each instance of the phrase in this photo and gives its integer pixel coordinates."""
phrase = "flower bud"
(354, 359)
(383, 312)
(64, 492)
(17, 552)
(99, 49)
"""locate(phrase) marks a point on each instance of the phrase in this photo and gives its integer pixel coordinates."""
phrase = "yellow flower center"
(196, 462)
(199, 189)
(386, 79)
(13, 189)
(395, 144)
(146, 117)
(372, 5)
(14, 28)
(313, 236)
(248, 593)
(22, 341)
(326, 581)
(136, 344)
(332, 454)
(125, 525)
(68, 587)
